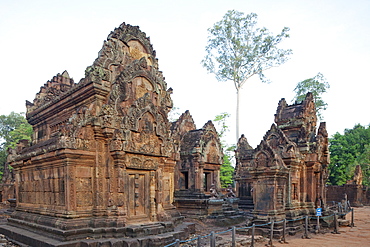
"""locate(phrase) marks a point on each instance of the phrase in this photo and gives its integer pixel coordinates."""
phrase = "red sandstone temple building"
(102, 160)
(285, 176)
(106, 165)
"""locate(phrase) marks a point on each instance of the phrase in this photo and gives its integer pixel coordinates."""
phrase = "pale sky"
(39, 39)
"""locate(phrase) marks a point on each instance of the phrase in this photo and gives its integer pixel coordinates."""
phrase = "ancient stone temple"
(285, 175)
(102, 160)
(198, 168)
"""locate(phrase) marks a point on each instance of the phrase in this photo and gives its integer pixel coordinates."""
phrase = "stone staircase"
(228, 216)
(246, 204)
(157, 236)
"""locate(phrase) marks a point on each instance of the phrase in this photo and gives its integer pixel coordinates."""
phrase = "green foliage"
(13, 128)
(348, 150)
(9, 123)
(3, 155)
(237, 50)
(22, 132)
(317, 85)
(220, 120)
(226, 169)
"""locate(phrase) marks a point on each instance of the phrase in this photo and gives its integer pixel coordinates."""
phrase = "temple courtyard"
(349, 236)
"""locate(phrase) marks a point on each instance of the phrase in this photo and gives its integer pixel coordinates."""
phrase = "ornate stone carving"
(51, 90)
(101, 148)
(290, 162)
(197, 171)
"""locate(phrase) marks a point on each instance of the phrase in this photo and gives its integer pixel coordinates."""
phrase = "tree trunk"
(237, 114)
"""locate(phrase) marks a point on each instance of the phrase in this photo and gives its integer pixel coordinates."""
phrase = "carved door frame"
(138, 195)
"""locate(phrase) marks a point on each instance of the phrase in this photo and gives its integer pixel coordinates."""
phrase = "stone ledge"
(24, 237)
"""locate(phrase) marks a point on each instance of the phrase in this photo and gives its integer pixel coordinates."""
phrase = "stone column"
(198, 171)
(200, 174)
(216, 180)
(289, 194)
(16, 183)
(70, 187)
(100, 186)
(119, 178)
(153, 210)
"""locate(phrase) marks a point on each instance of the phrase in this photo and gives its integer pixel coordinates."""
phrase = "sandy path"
(358, 236)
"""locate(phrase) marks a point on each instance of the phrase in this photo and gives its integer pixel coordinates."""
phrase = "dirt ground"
(349, 236)
(358, 236)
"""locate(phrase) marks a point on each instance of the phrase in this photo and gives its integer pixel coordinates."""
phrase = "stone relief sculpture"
(103, 155)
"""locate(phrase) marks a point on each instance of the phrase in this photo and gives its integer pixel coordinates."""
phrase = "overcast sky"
(39, 39)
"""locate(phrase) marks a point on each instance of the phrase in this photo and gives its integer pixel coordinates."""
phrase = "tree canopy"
(317, 85)
(13, 128)
(348, 150)
(237, 50)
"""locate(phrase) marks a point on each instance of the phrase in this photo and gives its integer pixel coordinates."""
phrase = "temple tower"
(285, 174)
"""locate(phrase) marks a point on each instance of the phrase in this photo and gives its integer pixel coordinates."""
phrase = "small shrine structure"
(102, 160)
(197, 173)
(285, 175)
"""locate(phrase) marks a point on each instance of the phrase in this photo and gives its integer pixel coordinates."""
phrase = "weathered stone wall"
(357, 195)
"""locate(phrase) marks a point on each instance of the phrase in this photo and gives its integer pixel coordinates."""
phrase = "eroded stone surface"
(198, 168)
(285, 175)
(353, 191)
(102, 156)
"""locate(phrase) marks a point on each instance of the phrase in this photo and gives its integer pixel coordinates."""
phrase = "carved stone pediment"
(210, 144)
(184, 124)
(298, 121)
(204, 143)
(243, 155)
(265, 156)
(280, 144)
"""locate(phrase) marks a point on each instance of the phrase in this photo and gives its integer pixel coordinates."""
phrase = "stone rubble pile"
(4, 242)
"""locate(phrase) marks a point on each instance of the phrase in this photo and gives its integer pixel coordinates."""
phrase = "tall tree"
(226, 169)
(237, 50)
(13, 128)
(9, 123)
(348, 150)
(317, 85)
